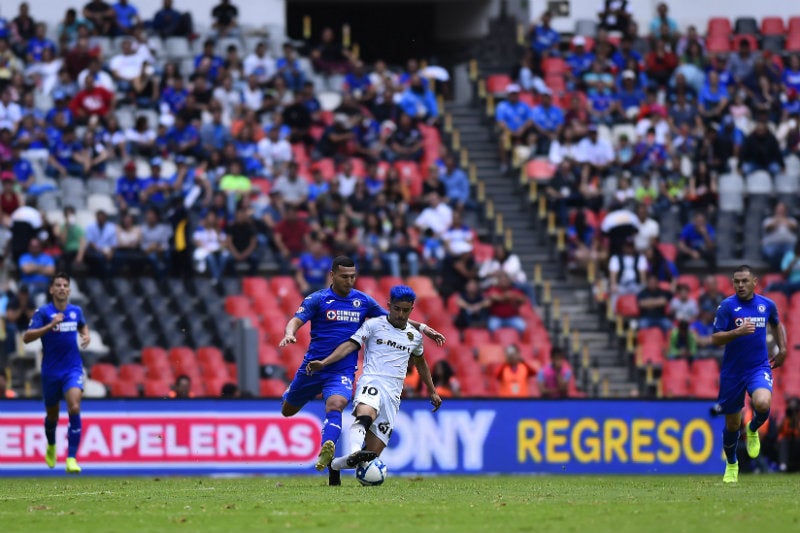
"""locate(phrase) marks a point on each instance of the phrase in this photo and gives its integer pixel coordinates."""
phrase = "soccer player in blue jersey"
(741, 326)
(62, 328)
(335, 313)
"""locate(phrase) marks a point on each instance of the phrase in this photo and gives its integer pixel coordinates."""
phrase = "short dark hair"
(342, 261)
(744, 268)
(182, 377)
(557, 352)
(59, 275)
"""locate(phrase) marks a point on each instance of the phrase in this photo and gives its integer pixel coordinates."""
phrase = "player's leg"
(301, 390)
(364, 415)
(50, 424)
(760, 389)
(731, 401)
(73, 397)
(331, 429)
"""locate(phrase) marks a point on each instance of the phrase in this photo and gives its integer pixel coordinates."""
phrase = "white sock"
(340, 463)
(357, 435)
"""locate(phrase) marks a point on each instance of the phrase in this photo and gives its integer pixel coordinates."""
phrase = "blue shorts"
(305, 388)
(732, 388)
(53, 388)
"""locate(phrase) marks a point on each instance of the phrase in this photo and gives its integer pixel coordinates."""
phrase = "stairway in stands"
(601, 371)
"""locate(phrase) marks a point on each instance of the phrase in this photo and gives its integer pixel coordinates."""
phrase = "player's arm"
(429, 332)
(779, 334)
(36, 333)
(721, 338)
(338, 354)
(83, 333)
(425, 377)
(290, 330)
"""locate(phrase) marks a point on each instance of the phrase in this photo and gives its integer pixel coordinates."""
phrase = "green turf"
(766, 503)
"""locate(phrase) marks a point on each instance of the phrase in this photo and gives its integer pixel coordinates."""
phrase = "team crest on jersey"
(331, 315)
(738, 322)
(301, 309)
(762, 308)
(410, 335)
(72, 315)
(356, 303)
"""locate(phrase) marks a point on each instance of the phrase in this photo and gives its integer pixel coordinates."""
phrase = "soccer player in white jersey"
(388, 341)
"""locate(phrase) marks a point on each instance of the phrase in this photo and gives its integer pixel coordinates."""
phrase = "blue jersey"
(334, 319)
(60, 353)
(744, 354)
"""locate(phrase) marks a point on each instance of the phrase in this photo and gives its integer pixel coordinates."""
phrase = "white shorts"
(372, 391)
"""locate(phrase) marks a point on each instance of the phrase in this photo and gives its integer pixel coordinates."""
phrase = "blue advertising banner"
(463, 437)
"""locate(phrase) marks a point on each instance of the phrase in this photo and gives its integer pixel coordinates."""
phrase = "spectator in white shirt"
(684, 308)
(252, 94)
(347, 180)
(210, 247)
(229, 97)
(594, 153)
(438, 216)
(260, 64)
(275, 152)
(10, 112)
(648, 230)
(101, 77)
(126, 66)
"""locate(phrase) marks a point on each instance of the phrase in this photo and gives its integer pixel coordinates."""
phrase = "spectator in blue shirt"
(544, 39)
(36, 269)
(515, 119)
(289, 68)
(579, 60)
(129, 188)
(548, 121)
(630, 97)
(173, 97)
(456, 184)
(358, 83)
(38, 44)
(22, 168)
(313, 268)
(208, 64)
(214, 134)
(127, 16)
(155, 189)
(170, 23)
(101, 240)
(625, 53)
(183, 138)
(713, 98)
(663, 25)
(418, 101)
(66, 156)
(697, 241)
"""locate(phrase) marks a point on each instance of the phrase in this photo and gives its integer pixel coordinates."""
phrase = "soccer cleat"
(731, 473)
(361, 456)
(334, 477)
(50, 455)
(326, 454)
(72, 466)
(753, 443)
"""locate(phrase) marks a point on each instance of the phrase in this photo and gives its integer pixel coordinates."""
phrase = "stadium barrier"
(163, 437)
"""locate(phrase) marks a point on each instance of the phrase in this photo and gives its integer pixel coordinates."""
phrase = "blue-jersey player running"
(741, 325)
(60, 324)
(335, 313)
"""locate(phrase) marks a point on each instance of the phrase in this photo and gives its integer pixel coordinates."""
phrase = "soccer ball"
(372, 473)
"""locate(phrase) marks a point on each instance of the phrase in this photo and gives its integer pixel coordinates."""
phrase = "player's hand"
(85, 339)
(434, 335)
(777, 360)
(436, 401)
(58, 319)
(314, 366)
(746, 328)
(286, 340)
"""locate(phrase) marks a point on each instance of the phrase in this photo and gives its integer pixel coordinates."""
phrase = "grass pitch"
(538, 504)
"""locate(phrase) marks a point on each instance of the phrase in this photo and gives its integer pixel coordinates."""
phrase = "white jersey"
(387, 350)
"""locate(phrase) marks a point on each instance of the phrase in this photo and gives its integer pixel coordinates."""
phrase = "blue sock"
(332, 427)
(758, 419)
(50, 430)
(73, 435)
(730, 441)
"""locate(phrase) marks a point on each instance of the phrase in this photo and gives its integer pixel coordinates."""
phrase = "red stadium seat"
(198, 388)
(539, 169)
(794, 26)
(300, 154)
(383, 169)
(410, 174)
(133, 373)
(152, 355)
(423, 286)
(482, 252)
(491, 354)
(272, 388)
(284, 287)
(718, 44)
(255, 287)
(675, 378)
(268, 354)
(497, 83)
(668, 250)
(554, 65)
(124, 389)
(706, 387)
(772, 26)
(213, 370)
(385, 283)
(556, 83)
(213, 386)
(183, 361)
(434, 353)
(292, 356)
(506, 336)
(781, 302)
(430, 306)
(627, 306)
(793, 42)
(210, 354)
(474, 337)
(238, 306)
(719, 26)
(691, 281)
(154, 388)
(160, 371)
(105, 373)
(705, 367)
(650, 345)
(327, 167)
(474, 386)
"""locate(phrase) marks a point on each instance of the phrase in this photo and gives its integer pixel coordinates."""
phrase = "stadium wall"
(465, 437)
